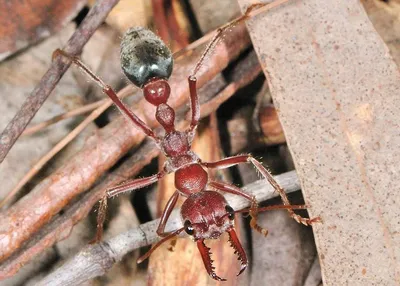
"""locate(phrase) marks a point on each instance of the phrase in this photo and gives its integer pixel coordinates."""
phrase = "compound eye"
(230, 211)
(188, 227)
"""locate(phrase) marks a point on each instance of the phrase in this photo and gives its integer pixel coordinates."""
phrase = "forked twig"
(92, 21)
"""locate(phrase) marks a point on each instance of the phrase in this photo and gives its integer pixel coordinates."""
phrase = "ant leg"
(166, 213)
(253, 211)
(125, 187)
(231, 161)
(194, 103)
(251, 11)
(125, 110)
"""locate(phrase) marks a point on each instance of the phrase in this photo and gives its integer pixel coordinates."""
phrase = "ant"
(147, 62)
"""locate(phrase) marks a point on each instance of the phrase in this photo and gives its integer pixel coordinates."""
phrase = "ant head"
(144, 56)
(206, 214)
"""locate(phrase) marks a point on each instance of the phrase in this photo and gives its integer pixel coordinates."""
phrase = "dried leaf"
(336, 90)
(26, 22)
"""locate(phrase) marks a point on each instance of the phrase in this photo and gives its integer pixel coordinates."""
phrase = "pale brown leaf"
(336, 89)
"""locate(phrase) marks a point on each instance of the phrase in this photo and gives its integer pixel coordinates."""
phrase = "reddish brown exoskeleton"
(147, 63)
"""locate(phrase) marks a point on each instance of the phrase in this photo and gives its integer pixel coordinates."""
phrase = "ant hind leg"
(232, 161)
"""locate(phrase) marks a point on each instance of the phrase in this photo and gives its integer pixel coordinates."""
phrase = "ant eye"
(231, 212)
(189, 228)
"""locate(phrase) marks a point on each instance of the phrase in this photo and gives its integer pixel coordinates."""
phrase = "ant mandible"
(147, 62)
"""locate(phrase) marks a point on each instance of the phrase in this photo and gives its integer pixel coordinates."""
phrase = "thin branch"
(72, 113)
(96, 260)
(92, 21)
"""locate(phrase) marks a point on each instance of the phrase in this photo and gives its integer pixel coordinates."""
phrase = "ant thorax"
(175, 163)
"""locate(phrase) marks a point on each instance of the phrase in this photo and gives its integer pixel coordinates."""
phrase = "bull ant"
(147, 62)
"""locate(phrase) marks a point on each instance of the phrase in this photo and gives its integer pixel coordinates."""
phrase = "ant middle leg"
(194, 105)
(235, 160)
(125, 187)
(125, 110)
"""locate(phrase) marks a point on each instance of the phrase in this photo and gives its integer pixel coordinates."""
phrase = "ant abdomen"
(144, 56)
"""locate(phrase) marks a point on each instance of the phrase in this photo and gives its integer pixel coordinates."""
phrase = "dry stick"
(92, 21)
(96, 260)
(72, 113)
(60, 145)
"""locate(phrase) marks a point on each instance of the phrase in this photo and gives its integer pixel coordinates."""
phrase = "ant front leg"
(125, 187)
(125, 110)
(166, 213)
(232, 161)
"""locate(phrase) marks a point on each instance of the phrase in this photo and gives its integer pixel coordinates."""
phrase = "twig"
(72, 113)
(96, 260)
(58, 67)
